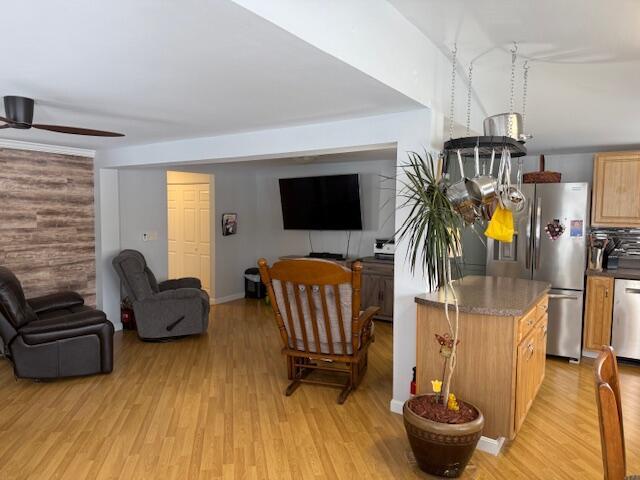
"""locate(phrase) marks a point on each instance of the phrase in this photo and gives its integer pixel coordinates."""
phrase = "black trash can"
(253, 286)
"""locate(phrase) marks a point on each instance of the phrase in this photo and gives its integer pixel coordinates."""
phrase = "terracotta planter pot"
(442, 449)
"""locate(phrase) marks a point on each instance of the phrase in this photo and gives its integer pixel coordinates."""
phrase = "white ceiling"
(168, 70)
(585, 63)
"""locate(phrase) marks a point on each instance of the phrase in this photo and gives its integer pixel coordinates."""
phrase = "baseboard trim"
(227, 298)
(117, 326)
(485, 444)
(589, 354)
(396, 406)
(490, 445)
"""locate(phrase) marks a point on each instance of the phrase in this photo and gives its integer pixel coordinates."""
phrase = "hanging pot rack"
(487, 145)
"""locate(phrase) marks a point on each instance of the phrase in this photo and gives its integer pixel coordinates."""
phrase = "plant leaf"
(432, 227)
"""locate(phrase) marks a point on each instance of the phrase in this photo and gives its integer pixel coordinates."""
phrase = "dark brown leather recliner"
(52, 336)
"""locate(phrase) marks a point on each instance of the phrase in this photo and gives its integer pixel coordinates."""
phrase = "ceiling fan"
(19, 114)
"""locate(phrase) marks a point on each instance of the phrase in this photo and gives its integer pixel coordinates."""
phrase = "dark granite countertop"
(626, 273)
(497, 296)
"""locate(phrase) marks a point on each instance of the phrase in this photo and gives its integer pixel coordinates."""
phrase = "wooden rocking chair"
(317, 309)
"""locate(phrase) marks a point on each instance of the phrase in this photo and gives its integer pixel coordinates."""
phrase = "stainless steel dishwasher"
(625, 331)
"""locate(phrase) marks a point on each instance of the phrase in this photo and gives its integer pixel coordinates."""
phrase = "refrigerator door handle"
(529, 220)
(536, 243)
(563, 297)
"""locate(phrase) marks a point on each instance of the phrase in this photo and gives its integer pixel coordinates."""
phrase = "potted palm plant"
(443, 431)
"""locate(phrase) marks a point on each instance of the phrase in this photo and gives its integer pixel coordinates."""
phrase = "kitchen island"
(501, 355)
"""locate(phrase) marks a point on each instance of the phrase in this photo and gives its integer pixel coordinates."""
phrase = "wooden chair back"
(610, 414)
(307, 299)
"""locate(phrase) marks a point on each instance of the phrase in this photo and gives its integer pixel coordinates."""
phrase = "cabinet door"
(540, 352)
(386, 288)
(598, 312)
(370, 291)
(525, 378)
(616, 189)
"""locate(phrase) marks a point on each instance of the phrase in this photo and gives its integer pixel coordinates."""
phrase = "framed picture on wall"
(229, 224)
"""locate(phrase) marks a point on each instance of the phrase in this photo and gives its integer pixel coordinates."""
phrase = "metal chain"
(454, 54)
(514, 51)
(525, 81)
(469, 99)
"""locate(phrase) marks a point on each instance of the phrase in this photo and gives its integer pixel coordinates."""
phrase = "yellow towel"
(501, 225)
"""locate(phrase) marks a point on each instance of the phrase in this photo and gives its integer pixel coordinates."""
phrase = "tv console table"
(377, 286)
(345, 262)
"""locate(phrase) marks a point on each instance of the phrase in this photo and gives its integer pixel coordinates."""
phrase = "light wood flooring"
(212, 407)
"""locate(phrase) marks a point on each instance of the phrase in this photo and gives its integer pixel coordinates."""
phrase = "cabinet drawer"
(542, 307)
(380, 269)
(526, 323)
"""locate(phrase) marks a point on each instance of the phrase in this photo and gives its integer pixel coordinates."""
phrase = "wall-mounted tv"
(321, 203)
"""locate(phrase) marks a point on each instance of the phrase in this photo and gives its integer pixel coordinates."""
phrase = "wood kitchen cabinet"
(377, 286)
(616, 190)
(598, 312)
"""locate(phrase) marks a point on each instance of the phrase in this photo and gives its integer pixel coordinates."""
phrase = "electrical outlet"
(145, 236)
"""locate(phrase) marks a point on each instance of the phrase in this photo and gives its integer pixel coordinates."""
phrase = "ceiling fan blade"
(77, 131)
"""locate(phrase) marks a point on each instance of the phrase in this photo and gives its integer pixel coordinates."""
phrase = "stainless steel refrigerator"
(550, 244)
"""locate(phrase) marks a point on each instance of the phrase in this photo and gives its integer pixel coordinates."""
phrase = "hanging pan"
(483, 188)
(458, 195)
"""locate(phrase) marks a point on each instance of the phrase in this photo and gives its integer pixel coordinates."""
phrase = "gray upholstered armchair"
(173, 308)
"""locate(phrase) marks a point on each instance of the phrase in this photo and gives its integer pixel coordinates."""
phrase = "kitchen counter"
(495, 296)
(624, 273)
(501, 356)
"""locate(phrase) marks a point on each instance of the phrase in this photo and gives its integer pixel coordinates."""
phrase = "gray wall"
(377, 203)
(252, 192)
(575, 167)
(143, 208)
(235, 192)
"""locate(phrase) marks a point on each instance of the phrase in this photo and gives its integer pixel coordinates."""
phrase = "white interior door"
(189, 232)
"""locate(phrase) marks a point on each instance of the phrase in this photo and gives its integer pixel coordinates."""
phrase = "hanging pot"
(458, 195)
(483, 188)
(511, 198)
(457, 192)
(500, 126)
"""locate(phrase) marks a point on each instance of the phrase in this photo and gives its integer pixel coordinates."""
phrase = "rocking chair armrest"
(365, 326)
(365, 320)
(366, 317)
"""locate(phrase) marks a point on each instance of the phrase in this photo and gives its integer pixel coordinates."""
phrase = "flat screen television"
(321, 203)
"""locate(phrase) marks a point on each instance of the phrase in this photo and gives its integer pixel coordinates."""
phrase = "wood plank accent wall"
(47, 235)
